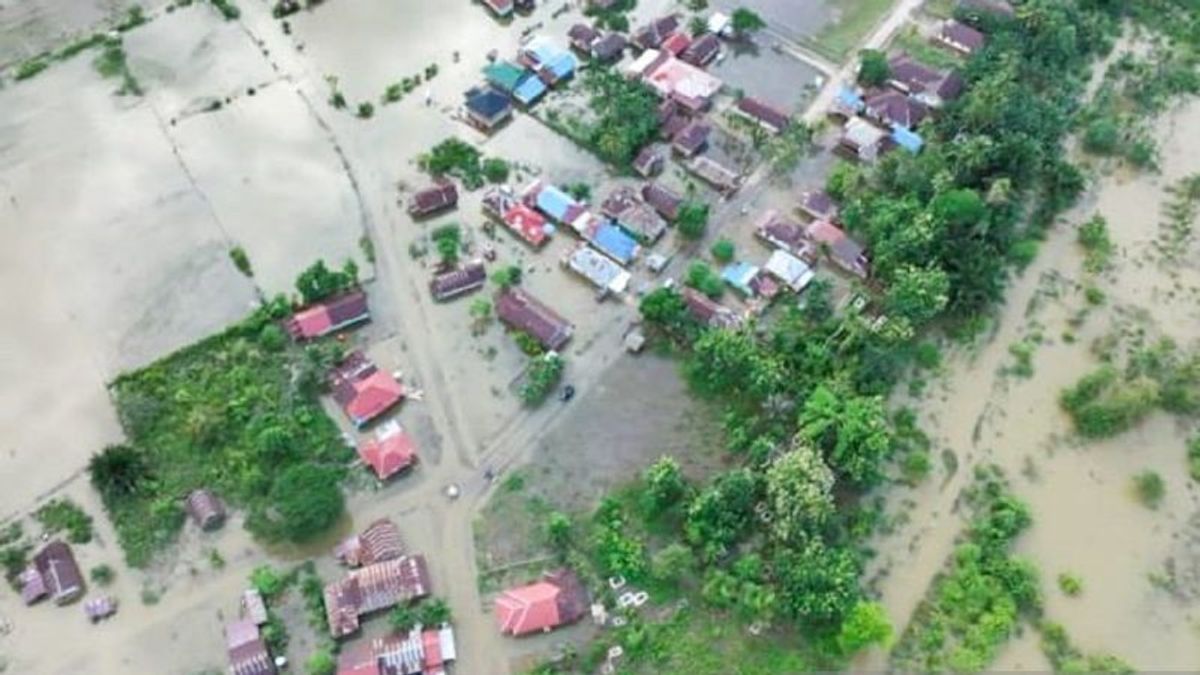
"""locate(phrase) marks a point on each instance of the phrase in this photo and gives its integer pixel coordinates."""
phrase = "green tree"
(702, 278)
(495, 170)
(672, 564)
(118, 470)
(267, 581)
(558, 530)
(318, 282)
(507, 277)
(851, 431)
(693, 219)
(448, 240)
(866, 625)
(665, 485)
(818, 585)
(734, 364)
(799, 493)
(102, 575)
(1149, 488)
(919, 294)
(722, 513)
(723, 250)
(746, 21)
(403, 618)
(321, 663)
(306, 501)
(433, 612)
(873, 70)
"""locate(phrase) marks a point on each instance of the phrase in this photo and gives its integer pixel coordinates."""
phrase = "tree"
(851, 431)
(267, 581)
(673, 563)
(495, 170)
(117, 471)
(665, 486)
(321, 663)
(434, 612)
(746, 21)
(306, 501)
(693, 219)
(697, 26)
(102, 575)
(799, 493)
(720, 515)
(866, 625)
(448, 240)
(817, 584)
(481, 313)
(319, 282)
(558, 530)
(919, 294)
(541, 378)
(873, 70)
(723, 250)
(702, 278)
(507, 277)
(402, 618)
(733, 363)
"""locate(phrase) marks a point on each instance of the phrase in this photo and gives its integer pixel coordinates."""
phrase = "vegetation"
(59, 515)
(447, 239)
(318, 282)
(1193, 456)
(702, 278)
(102, 575)
(693, 219)
(241, 261)
(495, 170)
(855, 20)
(613, 16)
(321, 662)
(723, 250)
(507, 277)
(873, 69)
(227, 9)
(1070, 584)
(428, 612)
(624, 117)
(1065, 657)
(1149, 488)
(366, 110)
(541, 378)
(112, 63)
(1097, 245)
(231, 415)
(745, 21)
(30, 67)
(454, 157)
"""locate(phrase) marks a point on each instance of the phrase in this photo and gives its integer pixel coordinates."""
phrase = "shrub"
(1070, 584)
(241, 261)
(267, 581)
(448, 240)
(366, 110)
(723, 250)
(63, 514)
(1149, 488)
(30, 68)
(1102, 136)
(102, 575)
(318, 282)
(495, 170)
(506, 277)
(1098, 247)
(227, 9)
(321, 663)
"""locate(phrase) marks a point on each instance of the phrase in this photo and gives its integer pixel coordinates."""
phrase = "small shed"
(253, 607)
(100, 608)
(205, 509)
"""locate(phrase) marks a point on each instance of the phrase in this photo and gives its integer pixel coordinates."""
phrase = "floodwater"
(1085, 519)
(790, 17)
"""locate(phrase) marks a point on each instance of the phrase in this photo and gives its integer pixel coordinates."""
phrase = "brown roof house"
(248, 654)
(441, 196)
(649, 162)
(862, 140)
(653, 34)
(932, 87)
(582, 37)
(519, 310)
(843, 251)
(708, 311)
(763, 114)
(691, 139)
(610, 47)
(960, 37)
(377, 586)
(723, 179)
(379, 542)
(633, 215)
(466, 279)
(205, 509)
(818, 205)
(663, 200)
(894, 109)
(52, 573)
(783, 233)
(702, 50)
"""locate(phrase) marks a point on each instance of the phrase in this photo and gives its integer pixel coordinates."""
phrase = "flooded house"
(581, 37)
(891, 109)
(517, 217)
(548, 60)
(722, 179)
(692, 139)
(439, 197)
(522, 85)
(52, 573)
(380, 541)
(246, 649)
(458, 282)
(675, 43)
(863, 141)
(608, 238)
(675, 79)
(329, 316)
(663, 200)
(609, 48)
(363, 391)
(519, 310)
(959, 37)
(390, 451)
(785, 234)
(373, 588)
(253, 608)
(839, 247)
(653, 34)
(930, 86)
(790, 270)
(649, 162)
(709, 312)
(499, 8)
(766, 116)
(557, 599)
(420, 651)
(633, 215)
(598, 270)
(487, 108)
(702, 51)
(205, 509)
(554, 203)
(818, 205)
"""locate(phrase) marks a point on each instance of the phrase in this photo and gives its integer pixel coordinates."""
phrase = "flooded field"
(1087, 522)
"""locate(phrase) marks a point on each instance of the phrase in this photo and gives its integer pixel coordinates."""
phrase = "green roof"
(504, 75)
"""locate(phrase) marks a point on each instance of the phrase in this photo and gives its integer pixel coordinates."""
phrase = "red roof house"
(519, 310)
(391, 451)
(466, 279)
(443, 195)
(362, 390)
(422, 651)
(521, 219)
(329, 316)
(558, 599)
(676, 43)
(372, 588)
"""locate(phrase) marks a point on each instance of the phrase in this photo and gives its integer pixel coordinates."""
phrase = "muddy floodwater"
(1086, 520)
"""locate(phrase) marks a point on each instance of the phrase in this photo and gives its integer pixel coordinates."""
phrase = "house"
(649, 162)
(862, 140)
(500, 8)
(97, 609)
(891, 109)
(633, 215)
(552, 63)
(362, 390)
(391, 451)
(847, 103)
(789, 270)
(582, 37)
(740, 276)
(329, 316)
(662, 200)
(932, 87)
(501, 204)
(653, 34)
(558, 599)
(818, 205)
(676, 43)
(441, 196)
(519, 310)
(702, 51)
(522, 85)
(843, 251)
(380, 541)
(466, 279)
(608, 238)
(783, 233)
(678, 80)
(606, 275)
(720, 23)
(960, 37)
(248, 654)
(691, 139)
(205, 509)
(763, 114)
(488, 108)
(372, 588)
(724, 180)
(421, 651)
(609, 48)
(554, 203)
(909, 140)
(253, 608)
(708, 311)
(53, 573)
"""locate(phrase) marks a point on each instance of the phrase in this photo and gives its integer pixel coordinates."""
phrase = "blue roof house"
(613, 242)
(909, 140)
(739, 276)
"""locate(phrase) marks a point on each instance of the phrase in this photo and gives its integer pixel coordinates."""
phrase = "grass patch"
(64, 515)
(920, 48)
(30, 68)
(1149, 489)
(855, 20)
(1097, 245)
(1070, 584)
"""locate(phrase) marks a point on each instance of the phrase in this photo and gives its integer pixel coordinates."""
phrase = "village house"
(380, 541)
(649, 162)
(709, 312)
(52, 573)
(362, 390)
(373, 588)
(847, 103)
(842, 250)
(522, 85)
(501, 204)
(742, 277)
(609, 48)
(205, 509)
(488, 108)
(253, 609)
(390, 451)
(783, 233)
(554, 203)
(329, 316)
(692, 139)
(766, 116)
(439, 197)
(818, 205)
(550, 62)
(519, 310)
(458, 282)
(892, 109)
(607, 276)
(633, 215)
(248, 654)
(675, 43)
(421, 651)
(789, 270)
(702, 51)
(677, 80)
(558, 599)
(932, 87)
(608, 238)
(960, 37)
(863, 141)
(582, 37)
(653, 34)
(662, 200)
(724, 180)
(500, 8)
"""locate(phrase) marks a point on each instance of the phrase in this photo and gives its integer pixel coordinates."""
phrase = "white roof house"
(792, 271)
(602, 272)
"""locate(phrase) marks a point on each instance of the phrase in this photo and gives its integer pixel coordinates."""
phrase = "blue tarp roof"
(850, 98)
(488, 102)
(906, 139)
(613, 241)
(558, 61)
(555, 203)
(739, 275)
(529, 90)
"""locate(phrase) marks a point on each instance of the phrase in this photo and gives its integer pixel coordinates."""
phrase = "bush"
(1193, 455)
(506, 277)
(1149, 488)
(1070, 584)
(30, 68)
(1097, 245)
(541, 378)
(366, 110)
(65, 515)
(102, 575)
(447, 239)
(495, 170)
(319, 282)
(227, 9)
(702, 278)
(723, 250)
(267, 581)
(1102, 136)
(321, 663)
(241, 261)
